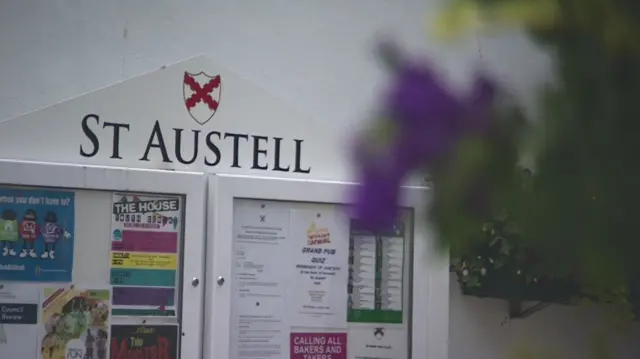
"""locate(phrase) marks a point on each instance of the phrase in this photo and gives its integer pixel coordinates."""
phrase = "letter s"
(90, 135)
(212, 146)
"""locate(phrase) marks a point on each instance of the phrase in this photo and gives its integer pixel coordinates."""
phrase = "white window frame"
(191, 185)
(429, 323)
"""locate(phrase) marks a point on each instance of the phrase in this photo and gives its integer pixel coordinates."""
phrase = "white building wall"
(313, 55)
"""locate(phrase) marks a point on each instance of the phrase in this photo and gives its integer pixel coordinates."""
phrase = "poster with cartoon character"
(36, 235)
(74, 323)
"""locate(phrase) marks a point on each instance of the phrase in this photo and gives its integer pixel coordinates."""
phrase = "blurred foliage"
(463, 15)
(599, 344)
(523, 352)
(484, 167)
(500, 267)
(579, 213)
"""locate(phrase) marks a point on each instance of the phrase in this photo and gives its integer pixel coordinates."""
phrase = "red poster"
(318, 345)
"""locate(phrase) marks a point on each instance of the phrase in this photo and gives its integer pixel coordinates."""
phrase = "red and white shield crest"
(202, 95)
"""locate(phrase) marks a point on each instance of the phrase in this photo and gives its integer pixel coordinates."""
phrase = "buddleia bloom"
(420, 125)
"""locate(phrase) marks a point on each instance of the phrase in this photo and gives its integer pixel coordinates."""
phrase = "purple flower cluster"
(428, 121)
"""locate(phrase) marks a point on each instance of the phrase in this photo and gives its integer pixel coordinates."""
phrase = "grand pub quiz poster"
(144, 341)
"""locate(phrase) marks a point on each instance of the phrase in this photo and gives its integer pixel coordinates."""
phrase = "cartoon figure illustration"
(29, 231)
(52, 325)
(55, 343)
(51, 232)
(73, 322)
(48, 345)
(101, 344)
(9, 232)
(100, 314)
(88, 345)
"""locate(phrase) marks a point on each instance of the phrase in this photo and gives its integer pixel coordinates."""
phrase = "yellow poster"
(74, 323)
(140, 260)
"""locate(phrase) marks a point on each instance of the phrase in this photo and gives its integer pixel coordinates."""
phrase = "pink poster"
(318, 345)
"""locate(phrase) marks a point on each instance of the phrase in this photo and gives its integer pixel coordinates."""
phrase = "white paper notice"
(259, 327)
(320, 253)
(19, 321)
(363, 273)
(376, 342)
(391, 273)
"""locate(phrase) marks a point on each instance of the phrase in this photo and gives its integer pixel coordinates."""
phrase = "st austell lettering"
(155, 146)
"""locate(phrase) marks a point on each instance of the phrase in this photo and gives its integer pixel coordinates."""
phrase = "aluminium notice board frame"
(429, 276)
(190, 185)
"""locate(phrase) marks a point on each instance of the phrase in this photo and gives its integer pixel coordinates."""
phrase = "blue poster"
(36, 235)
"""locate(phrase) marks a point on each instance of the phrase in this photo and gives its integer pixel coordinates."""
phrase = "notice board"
(78, 267)
(309, 283)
